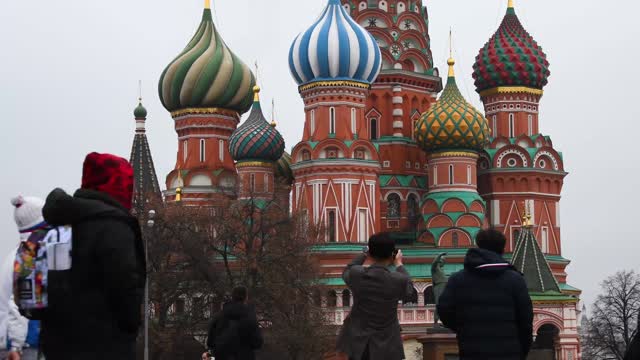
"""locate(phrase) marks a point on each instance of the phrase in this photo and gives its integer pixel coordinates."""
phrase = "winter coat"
(13, 327)
(250, 336)
(373, 321)
(488, 306)
(100, 317)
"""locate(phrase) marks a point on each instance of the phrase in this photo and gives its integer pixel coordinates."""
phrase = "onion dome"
(256, 139)
(140, 112)
(206, 74)
(335, 48)
(283, 168)
(452, 123)
(511, 58)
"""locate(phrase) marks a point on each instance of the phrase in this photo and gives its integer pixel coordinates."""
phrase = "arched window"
(185, 149)
(530, 120)
(331, 225)
(353, 120)
(494, 119)
(221, 149)
(346, 298)
(512, 125)
(451, 180)
(252, 182)
(373, 128)
(332, 120)
(313, 122)
(306, 155)
(393, 206)
(429, 298)
(412, 207)
(468, 175)
(202, 150)
(435, 175)
(332, 298)
(266, 183)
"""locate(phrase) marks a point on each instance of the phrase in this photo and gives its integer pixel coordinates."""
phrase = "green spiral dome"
(207, 75)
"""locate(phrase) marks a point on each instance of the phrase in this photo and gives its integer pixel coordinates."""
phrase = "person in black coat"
(234, 333)
(98, 316)
(488, 305)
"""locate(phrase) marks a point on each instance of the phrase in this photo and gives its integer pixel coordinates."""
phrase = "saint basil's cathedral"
(381, 151)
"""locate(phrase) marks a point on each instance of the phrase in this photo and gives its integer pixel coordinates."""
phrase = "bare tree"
(197, 254)
(609, 331)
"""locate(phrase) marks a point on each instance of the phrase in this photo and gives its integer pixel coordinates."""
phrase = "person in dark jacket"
(372, 330)
(99, 316)
(234, 333)
(488, 305)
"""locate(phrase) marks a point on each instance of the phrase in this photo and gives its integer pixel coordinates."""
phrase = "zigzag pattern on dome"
(511, 58)
(206, 74)
(335, 47)
(256, 139)
(452, 123)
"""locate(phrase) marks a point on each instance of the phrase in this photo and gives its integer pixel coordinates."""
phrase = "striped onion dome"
(335, 48)
(511, 58)
(452, 123)
(206, 74)
(283, 168)
(256, 139)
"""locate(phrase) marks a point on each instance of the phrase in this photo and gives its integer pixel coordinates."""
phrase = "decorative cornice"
(204, 111)
(242, 164)
(454, 154)
(511, 90)
(336, 83)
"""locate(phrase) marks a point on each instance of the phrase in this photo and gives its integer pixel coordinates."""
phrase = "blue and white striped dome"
(335, 48)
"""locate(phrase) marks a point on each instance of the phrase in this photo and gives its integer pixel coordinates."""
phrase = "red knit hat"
(109, 174)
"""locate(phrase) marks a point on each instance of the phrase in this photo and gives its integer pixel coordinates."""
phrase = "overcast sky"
(69, 72)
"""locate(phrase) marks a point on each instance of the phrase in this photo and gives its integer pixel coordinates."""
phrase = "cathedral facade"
(387, 146)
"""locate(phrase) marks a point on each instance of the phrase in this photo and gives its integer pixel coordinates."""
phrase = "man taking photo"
(372, 330)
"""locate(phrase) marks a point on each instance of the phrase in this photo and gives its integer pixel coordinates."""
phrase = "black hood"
(486, 262)
(236, 310)
(62, 209)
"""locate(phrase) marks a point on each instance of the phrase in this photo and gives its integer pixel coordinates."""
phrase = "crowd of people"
(91, 307)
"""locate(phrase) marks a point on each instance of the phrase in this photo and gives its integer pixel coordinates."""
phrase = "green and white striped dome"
(207, 75)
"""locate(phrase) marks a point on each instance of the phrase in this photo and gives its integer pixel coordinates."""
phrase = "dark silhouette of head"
(239, 294)
(492, 240)
(381, 246)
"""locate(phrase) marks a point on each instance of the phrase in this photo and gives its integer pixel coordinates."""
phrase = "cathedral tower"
(520, 165)
(145, 189)
(206, 89)
(406, 87)
(452, 132)
(336, 165)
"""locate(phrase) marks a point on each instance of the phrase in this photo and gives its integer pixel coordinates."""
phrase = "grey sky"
(69, 74)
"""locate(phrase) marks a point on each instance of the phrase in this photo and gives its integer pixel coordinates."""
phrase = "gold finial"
(273, 112)
(178, 194)
(451, 61)
(526, 218)
(510, 5)
(207, 4)
(256, 93)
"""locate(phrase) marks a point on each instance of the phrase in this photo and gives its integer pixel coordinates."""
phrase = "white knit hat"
(28, 214)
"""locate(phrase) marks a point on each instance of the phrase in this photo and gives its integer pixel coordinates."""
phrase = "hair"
(239, 294)
(492, 240)
(381, 246)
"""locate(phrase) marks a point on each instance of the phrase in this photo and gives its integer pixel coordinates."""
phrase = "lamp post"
(150, 222)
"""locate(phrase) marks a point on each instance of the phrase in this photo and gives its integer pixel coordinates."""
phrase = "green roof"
(529, 259)
(467, 197)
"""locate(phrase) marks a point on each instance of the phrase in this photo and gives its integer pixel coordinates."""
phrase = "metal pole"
(150, 224)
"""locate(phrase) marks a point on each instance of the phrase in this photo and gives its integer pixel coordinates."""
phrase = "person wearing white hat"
(14, 327)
